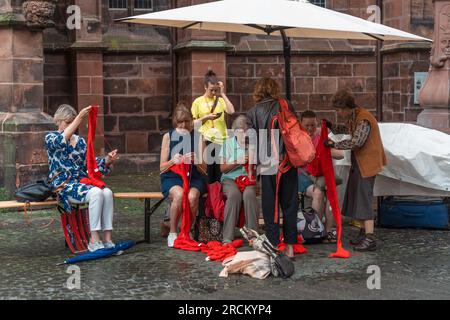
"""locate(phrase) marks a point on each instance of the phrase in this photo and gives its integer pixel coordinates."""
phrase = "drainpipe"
(287, 63)
(379, 58)
(379, 88)
(174, 36)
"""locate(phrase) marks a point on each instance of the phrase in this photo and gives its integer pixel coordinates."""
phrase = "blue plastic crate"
(397, 213)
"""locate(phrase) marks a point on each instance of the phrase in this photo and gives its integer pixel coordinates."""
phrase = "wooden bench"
(146, 196)
(20, 205)
(148, 208)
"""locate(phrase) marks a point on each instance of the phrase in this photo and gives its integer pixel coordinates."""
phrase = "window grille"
(143, 4)
(117, 4)
(320, 3)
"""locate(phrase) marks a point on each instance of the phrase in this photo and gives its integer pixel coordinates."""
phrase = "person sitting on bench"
(67, 166)
(233, 157)
(316, 190)
(178, 147)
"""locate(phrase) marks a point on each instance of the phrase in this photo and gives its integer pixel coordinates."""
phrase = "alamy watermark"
(262, 148)
(74, 18)
(375, 13)
(74, 280)
(374, 280)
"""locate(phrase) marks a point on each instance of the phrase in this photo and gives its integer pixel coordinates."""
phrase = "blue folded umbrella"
(101, 253)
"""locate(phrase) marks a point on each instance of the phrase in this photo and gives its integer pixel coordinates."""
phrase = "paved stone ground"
(414, 264)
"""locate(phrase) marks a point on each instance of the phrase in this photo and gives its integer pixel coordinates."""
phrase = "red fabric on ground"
(216, 251)
(298, 248)
(94, 174)
(186, 244)
(326, 167)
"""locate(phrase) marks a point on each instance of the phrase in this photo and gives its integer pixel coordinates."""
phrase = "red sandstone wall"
(314, 79)
(357, 8)
(398, 82)
(57, 81)
(138, 101)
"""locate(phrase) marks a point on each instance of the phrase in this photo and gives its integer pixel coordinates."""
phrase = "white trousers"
(101, 208)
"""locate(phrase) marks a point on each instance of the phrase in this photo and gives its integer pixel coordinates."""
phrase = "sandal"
(331, 237)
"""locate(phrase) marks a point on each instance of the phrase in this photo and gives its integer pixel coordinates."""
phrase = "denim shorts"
(304, 182)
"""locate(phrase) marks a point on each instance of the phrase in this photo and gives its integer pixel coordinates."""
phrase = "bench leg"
(148, 211)
(148, 215)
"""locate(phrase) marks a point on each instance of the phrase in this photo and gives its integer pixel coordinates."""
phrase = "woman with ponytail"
(208, 112)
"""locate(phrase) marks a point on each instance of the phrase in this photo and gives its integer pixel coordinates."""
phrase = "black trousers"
(213, 170)
(288, 201)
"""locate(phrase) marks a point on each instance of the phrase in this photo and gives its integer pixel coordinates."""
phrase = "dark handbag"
(34, 192)
(281, 265)
(209, 229)
(284, 265)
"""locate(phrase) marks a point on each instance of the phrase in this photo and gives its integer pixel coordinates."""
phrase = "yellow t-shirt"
(213, 130)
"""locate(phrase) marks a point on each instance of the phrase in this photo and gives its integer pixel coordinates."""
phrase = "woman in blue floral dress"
(67, 166)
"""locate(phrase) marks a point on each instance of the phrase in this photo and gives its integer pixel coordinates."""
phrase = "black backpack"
(34, 192)
(309, 226)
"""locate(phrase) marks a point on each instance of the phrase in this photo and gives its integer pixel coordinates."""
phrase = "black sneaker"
(331, 237)
(367, 244)
(359, 238)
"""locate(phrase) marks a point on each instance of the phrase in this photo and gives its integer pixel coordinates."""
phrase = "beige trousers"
(233, 208)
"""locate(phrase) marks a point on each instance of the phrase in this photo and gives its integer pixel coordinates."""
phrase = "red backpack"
(298, 144)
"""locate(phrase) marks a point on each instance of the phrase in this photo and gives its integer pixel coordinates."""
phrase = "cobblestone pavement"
(414, 264)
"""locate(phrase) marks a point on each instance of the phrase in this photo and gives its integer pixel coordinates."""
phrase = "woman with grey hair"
(67, 166)
(234, 157)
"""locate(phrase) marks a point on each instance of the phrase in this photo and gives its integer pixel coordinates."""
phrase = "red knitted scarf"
(214, 249)
(242, 182)
(94, 174)
(325, 166)
(184, 240)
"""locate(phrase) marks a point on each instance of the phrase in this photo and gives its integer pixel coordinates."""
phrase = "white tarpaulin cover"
(418, 161)
(385, 186)
(417, 155)
(298, 18)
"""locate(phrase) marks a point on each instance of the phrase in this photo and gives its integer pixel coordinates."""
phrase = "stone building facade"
(138, 73)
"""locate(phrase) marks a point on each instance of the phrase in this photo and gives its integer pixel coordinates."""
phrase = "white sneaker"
(95, 246)
(109, 245)
(171, 239)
